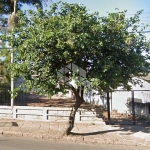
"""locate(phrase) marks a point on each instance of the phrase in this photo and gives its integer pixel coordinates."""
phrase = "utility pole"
(12, 82)
(12, 20)
(108, 108)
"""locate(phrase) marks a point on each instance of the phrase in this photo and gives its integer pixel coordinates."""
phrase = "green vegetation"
(109, 48)
(7, 6)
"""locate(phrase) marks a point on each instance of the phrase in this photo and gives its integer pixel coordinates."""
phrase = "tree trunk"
(69, 126)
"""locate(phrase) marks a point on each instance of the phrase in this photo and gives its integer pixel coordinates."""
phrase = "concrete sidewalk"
(82, 133)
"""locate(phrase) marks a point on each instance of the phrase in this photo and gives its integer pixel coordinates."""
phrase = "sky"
(105, 6)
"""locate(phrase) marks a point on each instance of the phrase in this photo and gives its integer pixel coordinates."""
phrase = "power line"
(141, 13)
(144, 20)
(146, 13)
(145, 31)
(145, 17)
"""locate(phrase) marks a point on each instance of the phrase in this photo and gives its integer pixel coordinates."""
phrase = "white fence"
(6, 111)
(47, 113)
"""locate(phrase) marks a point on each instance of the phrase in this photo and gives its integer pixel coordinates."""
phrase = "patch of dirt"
(31, 99)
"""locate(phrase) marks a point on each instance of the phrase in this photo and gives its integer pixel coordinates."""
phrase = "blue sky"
(105, 6)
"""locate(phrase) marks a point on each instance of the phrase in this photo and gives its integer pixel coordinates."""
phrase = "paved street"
(15, 143)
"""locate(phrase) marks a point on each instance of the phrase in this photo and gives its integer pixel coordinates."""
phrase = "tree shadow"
(135, 128)
(94, 133)
(14, 124)
(123, 130)
(8, 124)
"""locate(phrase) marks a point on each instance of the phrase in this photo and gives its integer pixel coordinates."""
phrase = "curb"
(71, 138)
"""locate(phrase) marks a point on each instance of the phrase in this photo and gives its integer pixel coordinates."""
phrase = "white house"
(121, 100)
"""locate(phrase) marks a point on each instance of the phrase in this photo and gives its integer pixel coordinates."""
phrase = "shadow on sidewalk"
(125, 130)
(94, 133)
(134, 128)
(8, 124)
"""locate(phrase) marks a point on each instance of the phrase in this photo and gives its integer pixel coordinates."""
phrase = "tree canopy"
(111, 49)
(7, 6)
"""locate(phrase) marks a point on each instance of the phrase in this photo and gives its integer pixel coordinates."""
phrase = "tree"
(46, 41)
(7, 6)
(10, 6)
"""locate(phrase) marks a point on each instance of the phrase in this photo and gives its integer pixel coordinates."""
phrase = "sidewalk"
(82, 133)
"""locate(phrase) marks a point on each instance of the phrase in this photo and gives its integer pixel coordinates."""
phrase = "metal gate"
(128, 107)
(5, 95)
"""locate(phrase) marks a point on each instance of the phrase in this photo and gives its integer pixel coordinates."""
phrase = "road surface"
(16, 143)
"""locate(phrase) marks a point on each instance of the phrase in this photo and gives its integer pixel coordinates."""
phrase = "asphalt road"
(15, 143)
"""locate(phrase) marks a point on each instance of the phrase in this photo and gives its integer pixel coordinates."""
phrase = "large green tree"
(10, 6)
(111, 49)
(7, 6)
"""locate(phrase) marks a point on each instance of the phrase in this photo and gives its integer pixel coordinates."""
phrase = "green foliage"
(7, 6)
(4, 62)
(109, 48)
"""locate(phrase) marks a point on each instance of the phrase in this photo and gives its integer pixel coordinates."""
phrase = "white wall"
(48, 113)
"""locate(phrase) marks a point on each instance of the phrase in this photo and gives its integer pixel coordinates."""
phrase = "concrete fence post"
(14, 111)
(45, 114)
(78, 115)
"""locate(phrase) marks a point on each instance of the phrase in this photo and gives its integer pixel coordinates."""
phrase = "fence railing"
(48, 113)
(5, 95)
(122, 107)
(129, 107)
